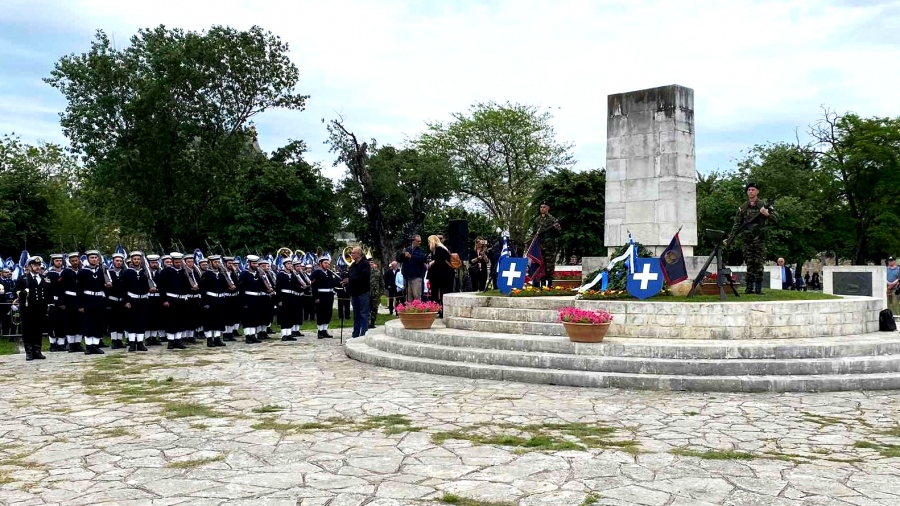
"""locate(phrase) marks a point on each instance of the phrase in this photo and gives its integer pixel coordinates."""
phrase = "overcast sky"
(759, 70)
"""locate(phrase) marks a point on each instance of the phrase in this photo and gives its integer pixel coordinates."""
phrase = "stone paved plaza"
(300, 423)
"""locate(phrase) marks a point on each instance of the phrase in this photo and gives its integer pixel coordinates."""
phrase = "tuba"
(346, 254)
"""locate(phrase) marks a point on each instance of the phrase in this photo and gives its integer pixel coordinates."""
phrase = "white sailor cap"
(263, 261)
(92, 252)
(165, 257)
(118, 255)
(202, 260)
(35, 260)
(213, 257)
(227, 259)
(252, 258)
(322, 259)
(152, 258)
(287, 261)
(136, 254)
(176, 255)
(56, 255)
(75, 254)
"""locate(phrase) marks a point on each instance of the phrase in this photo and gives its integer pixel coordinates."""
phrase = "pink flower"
(417, 306)
(575, 315)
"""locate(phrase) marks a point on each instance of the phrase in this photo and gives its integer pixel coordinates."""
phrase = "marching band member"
(170, 284)
(192, 316)
(155, 325)
(303, 288)
(253, 297)
(232, 302)
(267, 310)
(286, 299)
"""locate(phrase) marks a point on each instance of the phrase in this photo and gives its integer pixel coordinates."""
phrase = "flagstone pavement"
(300, 423)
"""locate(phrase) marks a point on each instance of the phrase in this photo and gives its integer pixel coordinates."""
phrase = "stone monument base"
(802, 346)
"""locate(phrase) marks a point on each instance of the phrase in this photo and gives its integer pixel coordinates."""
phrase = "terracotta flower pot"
(586, 332)
(417, 321)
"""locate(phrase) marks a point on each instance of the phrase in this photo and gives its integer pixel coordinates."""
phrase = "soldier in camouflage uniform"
(376, 288)
(546, 229)
(754, 235)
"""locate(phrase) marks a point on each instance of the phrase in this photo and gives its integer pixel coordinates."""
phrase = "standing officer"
(34, 293)
(323, 283)
(57, 316)
(546, 229)
(754, 218)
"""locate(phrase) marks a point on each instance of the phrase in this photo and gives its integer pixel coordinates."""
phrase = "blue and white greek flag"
(504, 253)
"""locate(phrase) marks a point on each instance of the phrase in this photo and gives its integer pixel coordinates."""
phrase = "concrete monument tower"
(650, 168)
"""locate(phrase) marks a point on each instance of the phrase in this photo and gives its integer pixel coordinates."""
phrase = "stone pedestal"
(650, 168)
(856, 280)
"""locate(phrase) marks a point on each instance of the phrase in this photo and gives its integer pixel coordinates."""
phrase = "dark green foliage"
(163, 124)
(578, 201)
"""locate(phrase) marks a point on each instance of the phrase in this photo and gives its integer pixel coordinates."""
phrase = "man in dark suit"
(390, 286)
(34, 293)
(787, 277)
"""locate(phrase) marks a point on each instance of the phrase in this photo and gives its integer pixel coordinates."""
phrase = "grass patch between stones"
(591, 498)
(389, 424)
(175, 410)
(886, 450)
(116, 432)
(449, 498)
(713, 454)
(541, 437)
(268, 409)
(191, 464)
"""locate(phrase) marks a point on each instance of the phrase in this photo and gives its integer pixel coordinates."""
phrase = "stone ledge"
(359, 350)
(639, 365)
(874, 344)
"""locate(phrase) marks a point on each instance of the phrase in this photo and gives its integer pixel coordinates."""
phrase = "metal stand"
(721, 271)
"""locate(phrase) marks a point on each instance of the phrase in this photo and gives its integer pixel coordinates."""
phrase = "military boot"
(132, 346)
(36, 353)
(140, 346)
(759, 287)
(118, 345)
(217, 342)
(28, 355)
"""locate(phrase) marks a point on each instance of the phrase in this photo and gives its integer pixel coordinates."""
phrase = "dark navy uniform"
(191, 317)
(232, 306)
(93, 303)
(33, 310)
(156, 326)
(57, 328)
(254, 299)
(323, 283)
(214, 291)
(287, 298)
(170, 283)
(68, 299)
(137, 301)
(116, 314)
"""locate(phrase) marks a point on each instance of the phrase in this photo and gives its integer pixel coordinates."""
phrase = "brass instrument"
(286, 254)
(346, 254)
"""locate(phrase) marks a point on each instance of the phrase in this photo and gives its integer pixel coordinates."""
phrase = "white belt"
(324, 290)
(115, 299)
(153, 295)
(256, 294)
(193, 296)
(174, 296)
(136, 296)
(73, 294)
(95, 294)
(291, 292)
(212, 294)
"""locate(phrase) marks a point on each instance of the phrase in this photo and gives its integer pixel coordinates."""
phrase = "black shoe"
(321, 334)
(269, 330)
(227, 336)
(52, 347)
(329, 336)
(217, 342)
(152, 341)
(179, 344)
(163, 339)
(171, 345)
(75, 347)
(140, 346)
(28, 355)
(189, 340)
(371, 325)
(118, 345)
(101, 345)
(132, 346)
(288, 338)
(36, 352)
(249, 339)
(262, 336)
(209, 343)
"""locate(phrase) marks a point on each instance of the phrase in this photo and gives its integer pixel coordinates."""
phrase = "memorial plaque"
(852, 283)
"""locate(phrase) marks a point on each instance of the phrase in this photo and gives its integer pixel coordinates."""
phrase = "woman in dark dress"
(440, 273)
(481, 265)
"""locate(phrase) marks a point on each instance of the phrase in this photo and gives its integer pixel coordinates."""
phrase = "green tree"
(578, 200)
(162, 125)
(288, 203)
(387, 193)
(862, 157)
(480, 224)
(499, 152)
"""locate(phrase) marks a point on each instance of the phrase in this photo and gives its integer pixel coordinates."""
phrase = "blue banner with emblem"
(511, 274)
(646, 280)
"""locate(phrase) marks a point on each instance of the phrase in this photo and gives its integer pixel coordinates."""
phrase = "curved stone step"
(874, 344)
(505, 326)
(357, 349)
(639, 365)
